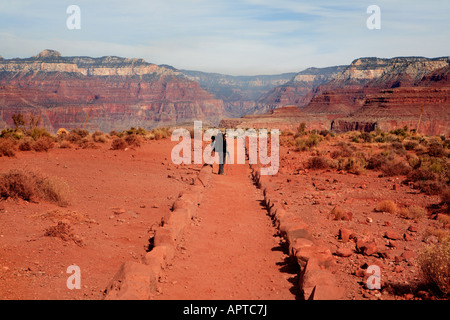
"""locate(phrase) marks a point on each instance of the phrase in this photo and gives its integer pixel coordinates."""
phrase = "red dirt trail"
(232, 250)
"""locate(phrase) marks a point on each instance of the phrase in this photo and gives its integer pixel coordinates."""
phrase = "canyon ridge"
(113, 93)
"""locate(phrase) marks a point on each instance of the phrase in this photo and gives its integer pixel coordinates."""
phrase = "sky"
(236, 37)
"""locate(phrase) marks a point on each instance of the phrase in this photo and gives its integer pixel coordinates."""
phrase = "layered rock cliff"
(239, 93)
(348, 91)
(299, 90)
(424, 107)
(116, 93)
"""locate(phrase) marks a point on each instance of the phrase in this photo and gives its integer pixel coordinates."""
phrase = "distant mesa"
(47, 53)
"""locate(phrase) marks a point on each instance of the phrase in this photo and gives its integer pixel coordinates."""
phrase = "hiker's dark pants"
(221, 162)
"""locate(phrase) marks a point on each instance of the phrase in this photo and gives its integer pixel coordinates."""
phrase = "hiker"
(220, 146)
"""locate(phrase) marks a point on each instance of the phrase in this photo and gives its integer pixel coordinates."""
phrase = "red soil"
(231, 249)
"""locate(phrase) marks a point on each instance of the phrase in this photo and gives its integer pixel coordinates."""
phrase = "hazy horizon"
(234, 37)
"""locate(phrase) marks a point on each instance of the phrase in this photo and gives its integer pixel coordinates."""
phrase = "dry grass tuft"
(413, 212)
(387, 206)
(7, 147)
(31, 186)
(434, 263)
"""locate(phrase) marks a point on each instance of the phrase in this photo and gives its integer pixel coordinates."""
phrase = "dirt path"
(231, 251)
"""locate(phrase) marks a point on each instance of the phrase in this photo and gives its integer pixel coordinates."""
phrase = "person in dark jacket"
(220, 146)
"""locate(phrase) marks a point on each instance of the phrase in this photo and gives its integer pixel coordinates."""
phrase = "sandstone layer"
(108, 93)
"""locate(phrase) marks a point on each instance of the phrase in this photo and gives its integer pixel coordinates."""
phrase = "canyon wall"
(115, 93)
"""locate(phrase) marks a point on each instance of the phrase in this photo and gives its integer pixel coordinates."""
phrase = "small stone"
(412, 229)
(344, 234)
(370, 248)
(392, 244)
(407, 255)
(344, 252)
(392, 235)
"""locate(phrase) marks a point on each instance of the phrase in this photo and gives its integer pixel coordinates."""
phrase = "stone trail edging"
(138, 281)
(316, 263)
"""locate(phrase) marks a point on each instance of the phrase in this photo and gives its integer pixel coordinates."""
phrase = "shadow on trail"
(287, 266)
(290, 267)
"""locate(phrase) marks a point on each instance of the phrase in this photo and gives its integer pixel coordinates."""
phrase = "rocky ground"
(231, 250)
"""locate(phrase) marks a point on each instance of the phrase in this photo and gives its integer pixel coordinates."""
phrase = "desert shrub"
(435, 149)
(87, 143)
(301, 129)
(434, 262)
(76, 135)
(395, 168)
(355, 165)
(380, 138)
(7, 147)
(100, 137)
(31, 186)
(345, 150)
(392, 138)
(300, 144)
(118, 144)
(326, 133)
(445, 198)
(421, 174)
(387, 206)
(400, 131)
(364, 137)
(414, 162)
(376, 161)
(114, 133)
(319, 163)
(133, 140)
(26, 144)
(43, 144)
(410, 144)
(139, 131)
(430, 187)
(397, 147)
(38, 132)
(160, 133)
(65, 144)
(285, 133)
(413, 212)
(303, 144)
(446, 144)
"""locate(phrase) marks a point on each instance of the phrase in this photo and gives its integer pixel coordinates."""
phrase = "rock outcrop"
(112, 93)
(284, 119)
